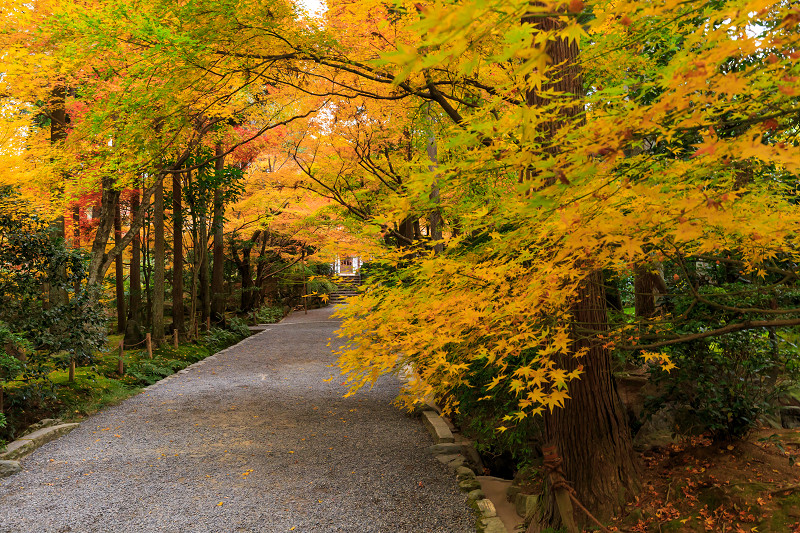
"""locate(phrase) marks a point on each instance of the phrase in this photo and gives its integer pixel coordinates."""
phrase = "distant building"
(346, 266)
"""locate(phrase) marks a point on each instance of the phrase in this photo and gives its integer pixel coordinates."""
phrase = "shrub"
(723, 386)
(269, 314)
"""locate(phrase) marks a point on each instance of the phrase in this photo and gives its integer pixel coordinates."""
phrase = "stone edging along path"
(458, 456)
(51, 429)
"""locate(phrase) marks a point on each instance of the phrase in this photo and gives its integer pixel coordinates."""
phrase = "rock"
(446, 458)
(445, 447)
(468, 485)
(511, 493)
(476, 494)
(134, 334)
(437, 427)
(790, 417)
(486, 508)
(526, 504)
(657, 431)
(456, 463)
(25, 445)
(491, 525)
(8, 468)
(464, 472)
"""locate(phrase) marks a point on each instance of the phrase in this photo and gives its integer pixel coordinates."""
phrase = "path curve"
(251, 440)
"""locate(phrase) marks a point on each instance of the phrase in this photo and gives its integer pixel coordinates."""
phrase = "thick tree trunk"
(590, 431)
(159, 260)
(135, 307)
(217, 282)
(119, 271)
(108, 201)
(178, 322)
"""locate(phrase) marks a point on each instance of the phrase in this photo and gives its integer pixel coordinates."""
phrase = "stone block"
(446, 458)
(486, 508)
(526, 504)
(445, 447)
(468, 485)
(25, 445)
(457, 463)
(491, 525)
(475, 495)
(464, 472)
(437, 427)
(8, 468)
(790, 417)
(18, 448)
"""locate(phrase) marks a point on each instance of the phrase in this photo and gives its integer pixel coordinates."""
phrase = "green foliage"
(269, 314)
(723, 386)
(480, 413)
(239, 327)
(146, 372)
(217, 338)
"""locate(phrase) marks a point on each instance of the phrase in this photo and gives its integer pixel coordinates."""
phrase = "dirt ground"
(697, 486)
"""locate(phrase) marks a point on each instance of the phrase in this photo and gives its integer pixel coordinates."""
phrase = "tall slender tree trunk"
(58, 133)
(590, 431)
(76, 239)
(205, 289)
(159, 259)
(435, 215)
(119, 271)
(135, 307)
(177, 253)
(218, 295)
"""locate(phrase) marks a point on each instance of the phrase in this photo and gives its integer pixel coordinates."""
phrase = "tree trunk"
(177, 256)
(205, 289)
(159, 259)
(217, 281)
(58, 133)
(119, 272)
(135, 307)
(434, 216)
(591, 430)
(99, 257)
(76, 239)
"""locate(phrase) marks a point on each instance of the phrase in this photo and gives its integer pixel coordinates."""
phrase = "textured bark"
(178, 322)
(217, 282)
(99, 257)
(119, 271)
(591, 430)
(244, 266)
(135, 307)
(58, 132)
(76, 239)
(434, 216)
(159, 259)
(205, 289)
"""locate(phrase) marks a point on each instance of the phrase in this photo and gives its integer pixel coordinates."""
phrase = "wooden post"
(71, 376)
(120, 362)
(149, 340)
(175, 338)
(208, 323)
(196, 336)
(563, 501)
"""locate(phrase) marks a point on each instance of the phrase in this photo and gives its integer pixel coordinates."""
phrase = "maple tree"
(505, 163)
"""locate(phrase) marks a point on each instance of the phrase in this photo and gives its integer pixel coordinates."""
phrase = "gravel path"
(251, 440)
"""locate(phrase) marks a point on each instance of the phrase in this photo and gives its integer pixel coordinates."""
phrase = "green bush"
(148, 372)
(239, 327)
(725, 385)
(269, 314)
